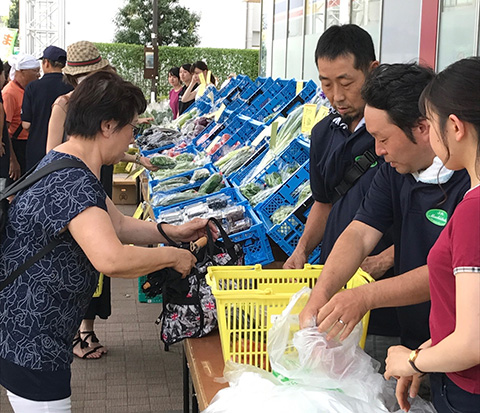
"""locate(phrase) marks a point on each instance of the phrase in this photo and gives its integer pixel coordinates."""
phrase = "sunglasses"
(135, 129)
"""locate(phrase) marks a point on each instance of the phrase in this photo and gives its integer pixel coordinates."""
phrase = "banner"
(7, 42)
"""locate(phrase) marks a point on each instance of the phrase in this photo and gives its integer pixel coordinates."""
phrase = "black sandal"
(94, 338)
(83, 345)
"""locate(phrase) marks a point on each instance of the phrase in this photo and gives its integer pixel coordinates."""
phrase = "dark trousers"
(447, 397)
(20, 148)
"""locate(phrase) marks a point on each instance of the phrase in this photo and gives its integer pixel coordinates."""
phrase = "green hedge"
(128, 60)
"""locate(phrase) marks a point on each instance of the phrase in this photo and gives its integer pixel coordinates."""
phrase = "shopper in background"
(196, 69)
(173, 95)
(24, 69)
(38, 99)
(345, 56)
(450, 103)
(227, 80)
(83, 59)
(36, 333)
(186, 78)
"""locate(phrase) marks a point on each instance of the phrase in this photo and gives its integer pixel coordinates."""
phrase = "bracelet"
(137, 158)
(412, 358)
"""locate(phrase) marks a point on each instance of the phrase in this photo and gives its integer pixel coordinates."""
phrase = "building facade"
(432, 32)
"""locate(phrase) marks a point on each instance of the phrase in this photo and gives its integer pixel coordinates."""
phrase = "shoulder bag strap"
(31, 177)
(29, 180)
(359, 167)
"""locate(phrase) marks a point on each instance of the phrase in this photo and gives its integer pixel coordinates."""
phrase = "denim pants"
(447, 397)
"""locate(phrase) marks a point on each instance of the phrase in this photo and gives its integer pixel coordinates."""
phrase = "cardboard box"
(124, 190)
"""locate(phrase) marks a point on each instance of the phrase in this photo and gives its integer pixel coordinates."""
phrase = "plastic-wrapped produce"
(156, 137)
(163, 162)
(210, 185)
(195, 210)
(200, 175)
(273, 179)
(173, 216)
(238, 226)
(171, 199)
(218, 202)
(234, 213)
(250, 190)
(281, 213)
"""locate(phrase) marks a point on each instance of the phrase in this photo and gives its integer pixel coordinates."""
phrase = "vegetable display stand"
(237, 177)
(249, 299)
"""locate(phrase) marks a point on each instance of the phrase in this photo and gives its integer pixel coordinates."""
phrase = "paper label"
(219, 112)
(137, 173)
(308, 118)
(128, 167)
(299, 87)
(322, 112)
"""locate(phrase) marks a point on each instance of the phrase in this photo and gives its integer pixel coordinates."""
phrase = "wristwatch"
(411, 359)
(137, 158)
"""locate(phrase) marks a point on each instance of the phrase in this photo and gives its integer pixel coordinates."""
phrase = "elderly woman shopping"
(40, 311)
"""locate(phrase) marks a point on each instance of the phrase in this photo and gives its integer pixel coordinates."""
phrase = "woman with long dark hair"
(451, 105)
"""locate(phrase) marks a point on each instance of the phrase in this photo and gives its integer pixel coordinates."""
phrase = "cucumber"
(210, 184)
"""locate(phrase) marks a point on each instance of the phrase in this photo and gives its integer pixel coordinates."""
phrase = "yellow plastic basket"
(249, 298)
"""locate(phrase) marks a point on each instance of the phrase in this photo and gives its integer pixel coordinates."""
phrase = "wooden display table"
(204, 363)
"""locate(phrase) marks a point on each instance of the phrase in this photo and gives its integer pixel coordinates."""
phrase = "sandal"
(83, 345)
(93, 340)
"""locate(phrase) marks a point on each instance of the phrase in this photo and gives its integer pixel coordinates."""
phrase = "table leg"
(186, 385)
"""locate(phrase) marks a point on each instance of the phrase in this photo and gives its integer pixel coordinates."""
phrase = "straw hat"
(83, 57)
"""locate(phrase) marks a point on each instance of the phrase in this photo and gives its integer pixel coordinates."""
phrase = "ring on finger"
(342, 322)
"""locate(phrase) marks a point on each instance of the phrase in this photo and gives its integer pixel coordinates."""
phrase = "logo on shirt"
(373, 165)
(437, 216)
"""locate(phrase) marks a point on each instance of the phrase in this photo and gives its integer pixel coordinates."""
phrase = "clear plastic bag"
(310, 375)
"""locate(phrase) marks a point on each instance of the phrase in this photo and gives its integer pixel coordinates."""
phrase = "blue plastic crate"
(245, 135)
(296, 153)
(235, 196)
(156, 150)
(287, 194)
(154, 182)
(237, 177)
(287, 234)
(254, 240)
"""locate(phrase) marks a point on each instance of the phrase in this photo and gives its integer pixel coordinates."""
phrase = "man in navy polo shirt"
(412, 191)
(38, 100)
(343, 165)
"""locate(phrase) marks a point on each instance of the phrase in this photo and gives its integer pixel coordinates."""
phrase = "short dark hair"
(202, 66)
(187, 67)
(56, 63)
(174, 71)
(1, 68)
(343, 40)
(455, 91)
(396, 89)
(102, 96)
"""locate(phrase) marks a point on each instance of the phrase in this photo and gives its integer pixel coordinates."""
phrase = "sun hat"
(83, 57)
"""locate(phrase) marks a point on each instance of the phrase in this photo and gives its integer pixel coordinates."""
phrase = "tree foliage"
(177, 25)
(13, 15)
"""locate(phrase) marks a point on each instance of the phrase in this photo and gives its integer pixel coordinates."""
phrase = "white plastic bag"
(310, 375)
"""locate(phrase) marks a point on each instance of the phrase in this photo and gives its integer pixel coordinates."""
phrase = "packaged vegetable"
(177, 197)
(250, 190)
(281, 213)
(238, 226)
(217, 202)
(195, 210)
(185, 157)
(163, 162)
(234, 213)
(210, 184)
(273, 179)
(200, 175)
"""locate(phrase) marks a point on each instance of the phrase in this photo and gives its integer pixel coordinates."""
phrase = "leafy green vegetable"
(281, 213)
(178, 197)
(163, 162)
(273, 179)
(250, 190)
(185, 157)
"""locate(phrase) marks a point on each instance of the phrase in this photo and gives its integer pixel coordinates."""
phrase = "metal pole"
(153, 93)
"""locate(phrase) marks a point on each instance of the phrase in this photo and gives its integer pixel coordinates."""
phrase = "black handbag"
(188, 304)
